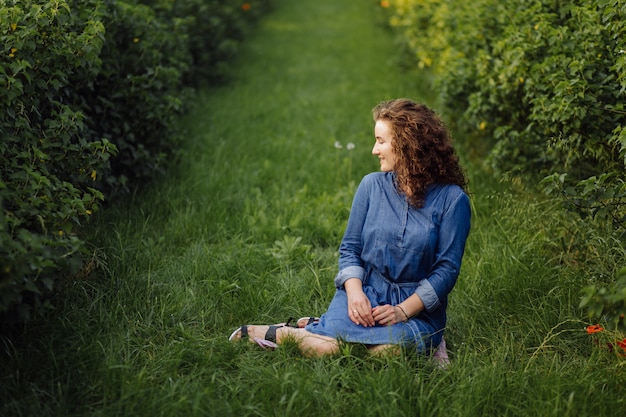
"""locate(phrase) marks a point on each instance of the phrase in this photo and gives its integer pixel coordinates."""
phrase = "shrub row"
(89, 95)
(540, 86)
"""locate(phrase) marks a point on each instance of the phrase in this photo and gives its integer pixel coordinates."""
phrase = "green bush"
(48, 163)
(214, 30)
(607, 302)
(90, 93)
(542, 82)
(138, 93)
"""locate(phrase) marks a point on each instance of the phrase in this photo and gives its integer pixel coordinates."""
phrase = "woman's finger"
(354, 315)
(383, 314)
(357, 317)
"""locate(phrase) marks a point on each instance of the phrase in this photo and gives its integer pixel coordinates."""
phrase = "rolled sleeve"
(426, 292)
(347, 273)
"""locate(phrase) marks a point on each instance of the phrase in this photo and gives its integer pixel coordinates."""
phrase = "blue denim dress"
(397, 250)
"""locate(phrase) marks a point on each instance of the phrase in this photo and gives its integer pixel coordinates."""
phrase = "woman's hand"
(386, 315)
(359, 306)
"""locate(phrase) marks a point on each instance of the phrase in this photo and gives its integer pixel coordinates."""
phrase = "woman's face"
(382, 147)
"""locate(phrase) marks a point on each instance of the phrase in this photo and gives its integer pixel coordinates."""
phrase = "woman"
(401, 252)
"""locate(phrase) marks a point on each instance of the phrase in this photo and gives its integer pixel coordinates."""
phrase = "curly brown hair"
(422, 146)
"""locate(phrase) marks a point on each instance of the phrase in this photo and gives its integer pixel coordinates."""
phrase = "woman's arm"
(453, 232)
(359, 306)
(350, 263)
(351, 268)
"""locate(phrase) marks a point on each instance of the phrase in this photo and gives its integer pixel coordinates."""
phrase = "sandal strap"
(239, 334)
(271, 333)
(305, 321)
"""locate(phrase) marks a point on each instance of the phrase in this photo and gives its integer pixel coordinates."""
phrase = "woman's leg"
(384, 350)
(310, 344)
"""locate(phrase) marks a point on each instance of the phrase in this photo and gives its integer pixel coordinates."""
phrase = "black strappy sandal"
(270, 335)
(305, 321)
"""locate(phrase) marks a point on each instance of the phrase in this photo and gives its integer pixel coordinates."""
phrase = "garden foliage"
(89, 94)
(540, 85)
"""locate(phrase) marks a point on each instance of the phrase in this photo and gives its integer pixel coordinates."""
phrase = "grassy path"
(245, 229)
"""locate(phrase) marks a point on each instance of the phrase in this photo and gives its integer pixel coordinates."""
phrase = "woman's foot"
(441, 355)
(304, 321)
(255, 332)
(264, 336)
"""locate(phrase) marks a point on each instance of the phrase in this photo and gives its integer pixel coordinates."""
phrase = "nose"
(375, 149)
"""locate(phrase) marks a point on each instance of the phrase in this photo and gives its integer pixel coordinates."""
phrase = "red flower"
(596, 328)
(245, 7)
(622, 343)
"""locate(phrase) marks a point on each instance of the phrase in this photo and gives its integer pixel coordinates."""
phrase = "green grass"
(245, 229)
